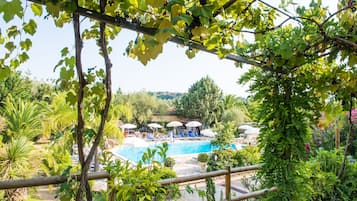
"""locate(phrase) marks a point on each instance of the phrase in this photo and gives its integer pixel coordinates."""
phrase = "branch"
(264, 31)
(108, 84)
(275, 8)
(80, 98)
(225, 6)
(349, 140)
(345, 42)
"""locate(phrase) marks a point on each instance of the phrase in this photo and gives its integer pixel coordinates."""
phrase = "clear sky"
(171, 71)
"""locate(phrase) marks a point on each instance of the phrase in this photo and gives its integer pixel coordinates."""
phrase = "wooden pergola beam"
(123, 23)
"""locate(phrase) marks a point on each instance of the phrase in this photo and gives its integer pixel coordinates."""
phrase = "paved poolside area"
(187, 165)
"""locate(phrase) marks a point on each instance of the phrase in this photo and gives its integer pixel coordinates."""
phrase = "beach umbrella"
(193, 124)
(154, 125)
(174, 124)
(252, 131)
(244, 127)
(127, 126)
(135, 141)
(208, 133)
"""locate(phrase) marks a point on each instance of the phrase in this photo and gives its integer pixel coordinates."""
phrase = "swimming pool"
(179, 148)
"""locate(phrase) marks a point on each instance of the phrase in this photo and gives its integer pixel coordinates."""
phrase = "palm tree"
(16, 162)
(23, 118)
(59, 116)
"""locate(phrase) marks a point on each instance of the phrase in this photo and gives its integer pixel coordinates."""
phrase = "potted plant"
(202, 158)
(169, 162)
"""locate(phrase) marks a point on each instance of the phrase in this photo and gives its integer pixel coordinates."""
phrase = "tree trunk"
(349, 140)
(83, 185)
(104, 113)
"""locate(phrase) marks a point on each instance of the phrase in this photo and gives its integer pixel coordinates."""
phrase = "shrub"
(169, 162)
(202, 157)
(250, 155)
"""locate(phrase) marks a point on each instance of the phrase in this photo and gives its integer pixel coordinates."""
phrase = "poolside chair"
(190, 133)
(150, 137)
(195, 134)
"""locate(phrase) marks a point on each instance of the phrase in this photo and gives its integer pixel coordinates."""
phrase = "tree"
(235, 110)
(16, 161)
(225, 135)
(203, 101)
(23, 118)
(42, 91)
(15, 85)
(59, 116)
(143, 105)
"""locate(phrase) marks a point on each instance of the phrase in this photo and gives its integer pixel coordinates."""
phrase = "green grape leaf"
(195, 10)
(10, 9)
(4, 73)
(71, 97)
(14, 63)
(26, 44)
(12, 31)
(190, 53)
(206, 11)
(64, 52)
(66, 74)
(36, 9)
(142, 5)
(23, 57)
(10, 46)
(186, 18)
(30, 27)
(173, 2)
(53, 9)
(156, 3)
(163, 35)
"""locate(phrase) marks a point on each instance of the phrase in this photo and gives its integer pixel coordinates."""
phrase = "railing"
(43, 181)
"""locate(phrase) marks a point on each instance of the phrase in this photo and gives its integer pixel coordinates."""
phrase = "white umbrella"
(135, 141)
(208, 133)
(252, 131)
(174, 124)
(193, 124)
(127, 126)
(244, 127)
(154, 125)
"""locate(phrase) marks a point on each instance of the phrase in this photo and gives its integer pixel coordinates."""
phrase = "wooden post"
(228, 183)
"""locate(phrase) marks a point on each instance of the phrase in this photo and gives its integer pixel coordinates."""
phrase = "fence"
(43, 181)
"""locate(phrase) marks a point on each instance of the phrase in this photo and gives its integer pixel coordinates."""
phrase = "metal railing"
(44, 181)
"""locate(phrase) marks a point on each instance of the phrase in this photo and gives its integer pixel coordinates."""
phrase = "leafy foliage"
(143, 105)
(319, 177)
(15, 85)
(140, 182)
(15, 159)
(23, 119)
(225, 135)
(202, 157)
(203, 101)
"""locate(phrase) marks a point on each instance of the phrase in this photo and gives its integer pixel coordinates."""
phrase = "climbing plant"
(291, 77)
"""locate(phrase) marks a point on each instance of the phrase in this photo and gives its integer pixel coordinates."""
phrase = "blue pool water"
(182, 148)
